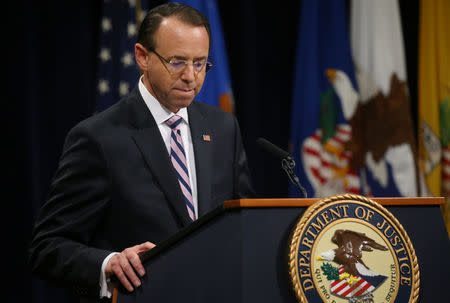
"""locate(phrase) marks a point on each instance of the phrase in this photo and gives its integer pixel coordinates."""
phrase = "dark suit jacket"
(115, 187)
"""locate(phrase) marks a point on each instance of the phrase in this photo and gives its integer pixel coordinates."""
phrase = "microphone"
(273, 149)
(287, 162)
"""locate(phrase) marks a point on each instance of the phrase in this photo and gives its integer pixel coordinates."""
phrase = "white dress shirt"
(161, 114)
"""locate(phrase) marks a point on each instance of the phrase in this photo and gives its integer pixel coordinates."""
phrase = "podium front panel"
(241, 256)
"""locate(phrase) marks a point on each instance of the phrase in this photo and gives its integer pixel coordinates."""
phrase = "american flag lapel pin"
(207, 138)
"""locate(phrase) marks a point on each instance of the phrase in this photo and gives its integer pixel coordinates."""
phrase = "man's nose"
(188, 74)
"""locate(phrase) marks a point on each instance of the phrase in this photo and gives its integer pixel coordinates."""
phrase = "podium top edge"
(243, 203)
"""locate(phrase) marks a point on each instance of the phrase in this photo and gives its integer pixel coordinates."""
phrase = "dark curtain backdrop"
(51, 58)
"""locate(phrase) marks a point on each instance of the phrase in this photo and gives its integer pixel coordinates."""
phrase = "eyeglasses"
(175, 66)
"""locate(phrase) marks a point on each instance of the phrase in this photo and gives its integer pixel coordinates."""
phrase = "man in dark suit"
(135, 174)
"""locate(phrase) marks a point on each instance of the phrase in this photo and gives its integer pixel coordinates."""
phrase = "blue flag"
(217, 89)
(324, 84)
(117, 70)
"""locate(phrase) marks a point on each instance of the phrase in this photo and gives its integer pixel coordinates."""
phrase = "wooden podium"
(238, 253)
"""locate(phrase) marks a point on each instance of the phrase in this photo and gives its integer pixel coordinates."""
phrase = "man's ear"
(141, 55)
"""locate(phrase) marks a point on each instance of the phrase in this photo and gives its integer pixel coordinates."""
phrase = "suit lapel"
(149, 141)
(203, 160)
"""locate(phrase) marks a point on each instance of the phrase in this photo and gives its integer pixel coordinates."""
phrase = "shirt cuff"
(105, 287)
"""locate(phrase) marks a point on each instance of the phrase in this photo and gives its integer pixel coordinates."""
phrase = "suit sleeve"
(60, 249)
(242, 180)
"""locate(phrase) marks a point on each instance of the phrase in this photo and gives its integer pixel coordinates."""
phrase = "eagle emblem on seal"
(352, 279)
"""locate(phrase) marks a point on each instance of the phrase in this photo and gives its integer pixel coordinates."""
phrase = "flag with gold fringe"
(434, 99)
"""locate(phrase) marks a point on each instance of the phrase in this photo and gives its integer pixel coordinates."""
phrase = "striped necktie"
(179, 162)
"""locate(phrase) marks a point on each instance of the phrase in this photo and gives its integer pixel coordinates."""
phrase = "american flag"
(117, 70)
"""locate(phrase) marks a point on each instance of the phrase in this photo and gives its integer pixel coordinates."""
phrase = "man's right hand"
(126, 264)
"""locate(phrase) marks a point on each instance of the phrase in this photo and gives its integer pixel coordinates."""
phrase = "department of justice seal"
(348, 248)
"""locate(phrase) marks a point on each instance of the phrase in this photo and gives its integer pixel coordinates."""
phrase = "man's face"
(175, 39)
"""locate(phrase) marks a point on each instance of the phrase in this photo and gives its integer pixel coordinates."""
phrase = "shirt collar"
(159, 112)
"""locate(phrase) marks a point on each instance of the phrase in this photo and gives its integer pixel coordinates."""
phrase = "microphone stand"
(288, 164)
